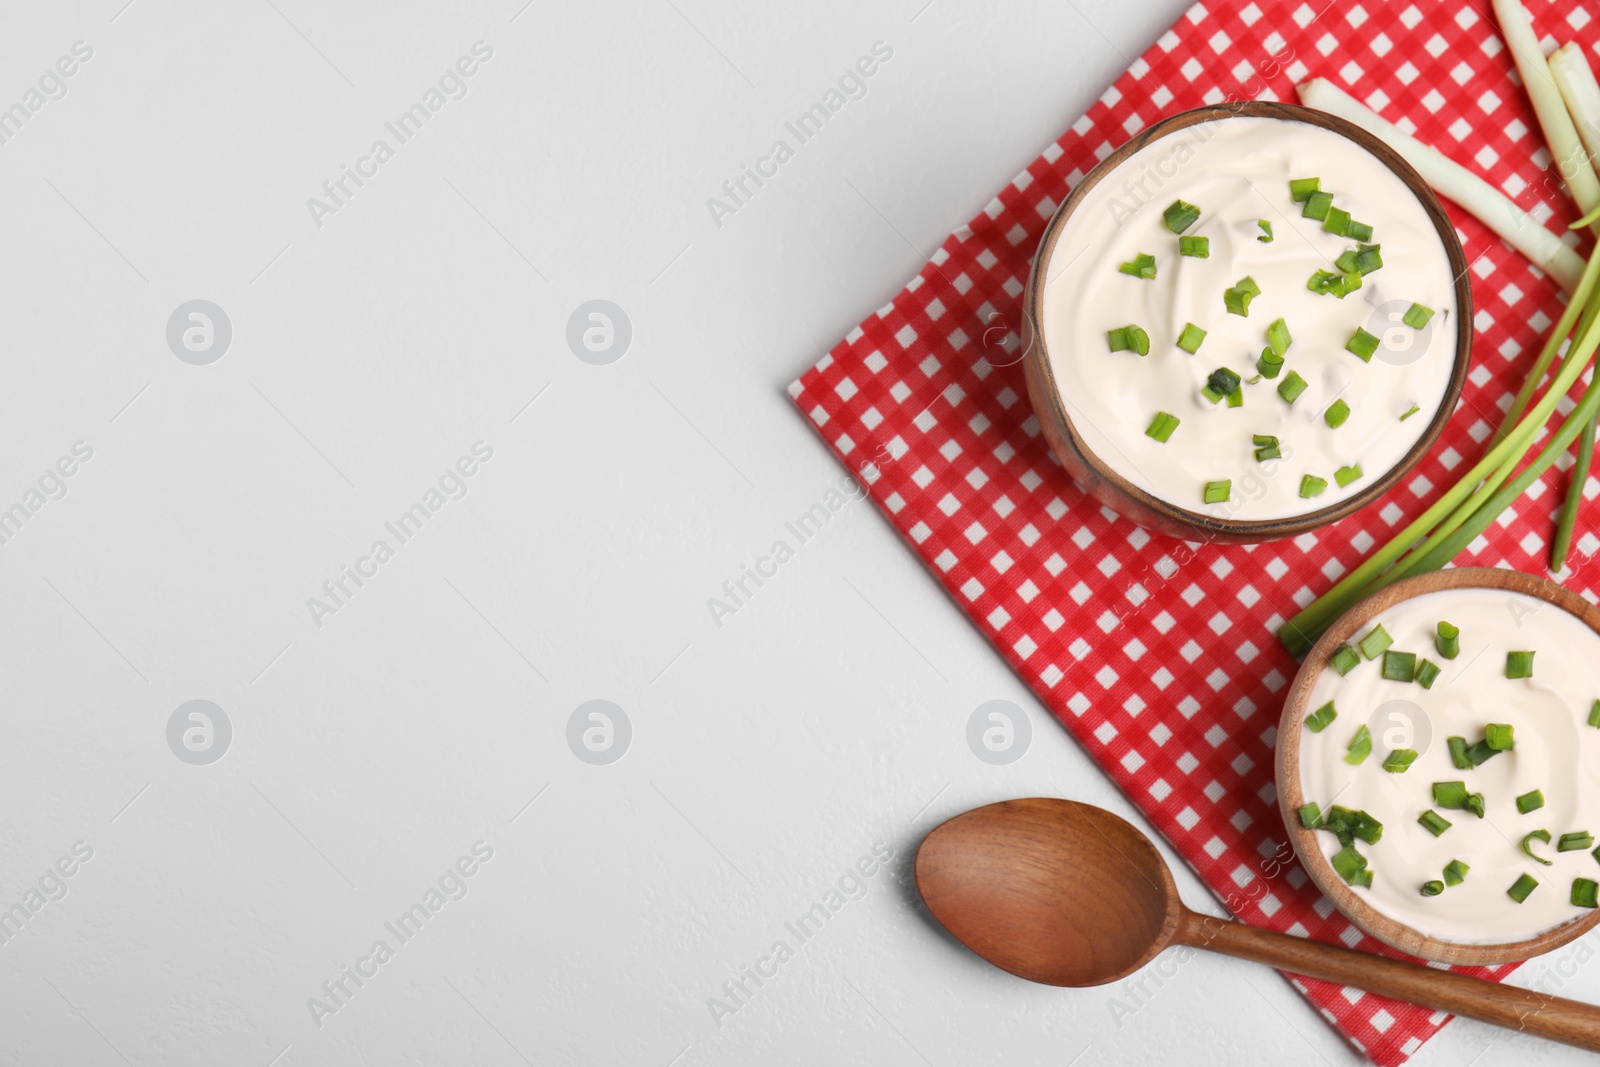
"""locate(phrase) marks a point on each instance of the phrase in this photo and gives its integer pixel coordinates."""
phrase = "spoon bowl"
(1068, 894)
(993, 879)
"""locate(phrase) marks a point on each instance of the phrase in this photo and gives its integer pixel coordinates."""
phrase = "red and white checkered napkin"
(1159, 656)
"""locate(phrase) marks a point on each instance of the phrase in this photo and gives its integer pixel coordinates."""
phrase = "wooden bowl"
(1290, 798)
(1100, 479)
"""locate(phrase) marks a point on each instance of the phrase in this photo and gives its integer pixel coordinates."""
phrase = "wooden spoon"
(1068, 894)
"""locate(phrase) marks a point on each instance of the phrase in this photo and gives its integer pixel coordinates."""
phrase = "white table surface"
(374, 745)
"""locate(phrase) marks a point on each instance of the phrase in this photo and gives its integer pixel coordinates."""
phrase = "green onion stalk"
(1552, 345)
(1562, 546)
(1468, 507)
(1408, 566)
(1447, 548)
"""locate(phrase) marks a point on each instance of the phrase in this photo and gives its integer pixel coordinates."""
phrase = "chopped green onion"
(1585, 893)
(1448, 641)
(1344, 659)
(1458, 754)
(1530, 802)
(1522, 887)
(1519, 664)
(1349, 825)
(1375, 643)
(1527, 846)
(1340, 284)
(1312, 486)
(1341, 823)
(1292, 386)
(1198, 247)
(1318, 720)
(1349, 863)
(1417, 316)
(1337, 413)
(1453, 796)
(1455, 872)
(1129, 339)
(1362, 261)
(1360, 746)
(1223, 381)
(1270, 364)
(1427, 673)
(1162, 425)
(1142, 265)
(1278, 336)
(1236, 398)
(1433, 888)
(1435, 823)
(1317, 205)
(1211, 395)
(1358, 231)
(1479, 753)
(1266, 447)
(1180, 215)
(1399, 666)
(1218, 492)
(1345, 475)
(1310, 815)
(1237, 299)
(1336, 222)
(1414, 409)
(1576, 841)
(1323, 281)
(1400, 760)
(1301, 188)
(1362, 344)
(1594, 714)
(1266, 231)
(1499, 736)
(1191, 337)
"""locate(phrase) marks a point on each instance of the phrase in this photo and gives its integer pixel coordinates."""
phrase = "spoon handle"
(1555, 1018)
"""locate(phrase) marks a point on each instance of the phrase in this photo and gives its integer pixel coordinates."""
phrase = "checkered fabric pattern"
(1158, 655)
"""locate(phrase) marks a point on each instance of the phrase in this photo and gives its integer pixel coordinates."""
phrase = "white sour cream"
(1556, 751)
(1237, 171)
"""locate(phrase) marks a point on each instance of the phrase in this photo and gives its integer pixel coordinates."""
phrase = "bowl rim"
(1038, 358)
(1287, 770)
